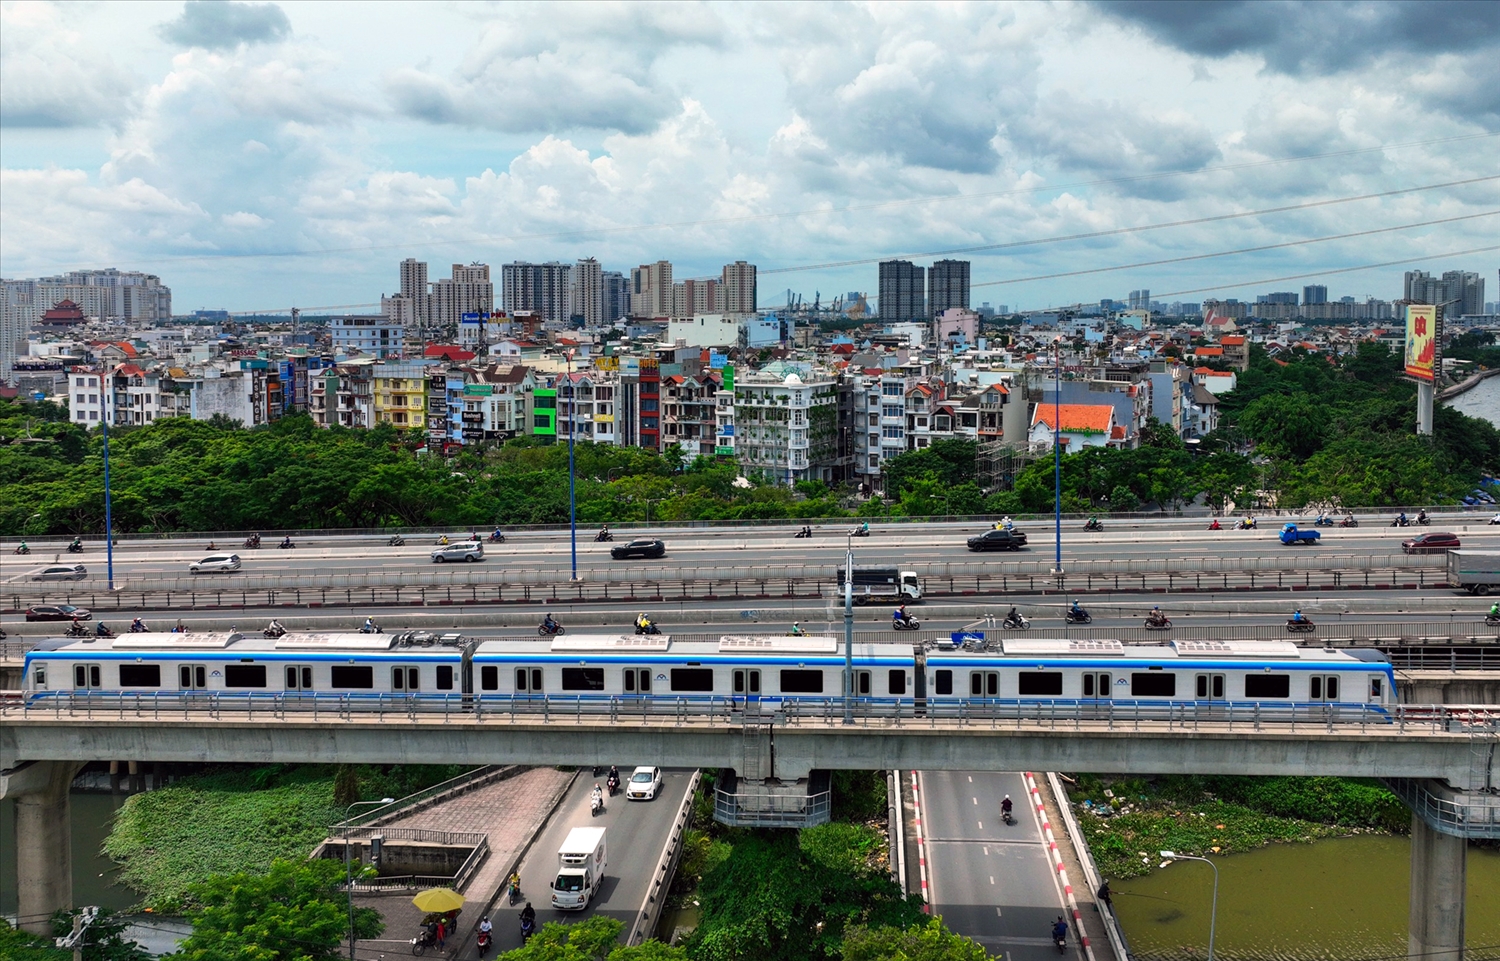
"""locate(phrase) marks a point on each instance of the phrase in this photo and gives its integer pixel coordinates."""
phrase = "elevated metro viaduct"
(1442, 761)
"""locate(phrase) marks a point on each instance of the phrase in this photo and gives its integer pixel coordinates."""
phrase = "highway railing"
(604, 710)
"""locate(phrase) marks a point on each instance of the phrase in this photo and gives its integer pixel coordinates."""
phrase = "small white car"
(220, 563)
(643, 784)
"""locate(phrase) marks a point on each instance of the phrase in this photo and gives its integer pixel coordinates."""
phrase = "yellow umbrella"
(439, 900)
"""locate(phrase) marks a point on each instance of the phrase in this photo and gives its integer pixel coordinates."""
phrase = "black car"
(998, 540)
(642, 548)
(58, 612)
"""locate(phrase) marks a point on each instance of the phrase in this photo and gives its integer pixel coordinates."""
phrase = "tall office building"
(111, 295)
(1315, 294)
(1140, 299)
(738, 284)
(587, 293)
(651, 290)
(1467, 288)
(542, 289)
(693, 297)
(947, 286)
(901, 291)
(1280, 297)
(468, 291)
(615, 296)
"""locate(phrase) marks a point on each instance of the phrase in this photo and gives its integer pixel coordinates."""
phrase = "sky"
(257, 156)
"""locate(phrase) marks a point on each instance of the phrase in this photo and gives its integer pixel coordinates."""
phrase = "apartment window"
(891, 410)
(892, 390)
(892, 432)
(80, 398)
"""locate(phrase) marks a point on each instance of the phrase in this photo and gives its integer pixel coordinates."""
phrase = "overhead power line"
(1229, 253)
(1114, 232)
(1321, 273)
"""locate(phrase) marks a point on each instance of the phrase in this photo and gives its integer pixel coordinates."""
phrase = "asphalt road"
(990, 881)
(749, 548)
(636, 831)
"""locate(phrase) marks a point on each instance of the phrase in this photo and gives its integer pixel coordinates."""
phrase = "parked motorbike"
(395, 540)
(1158, 623)
(1017, 622)
(1303, 626)
(905, 624)
(1078, 617)
(426, 938)
(544, 631)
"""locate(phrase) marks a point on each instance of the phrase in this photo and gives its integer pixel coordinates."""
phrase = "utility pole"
(75, 938)
(849, 631)
(109, 530)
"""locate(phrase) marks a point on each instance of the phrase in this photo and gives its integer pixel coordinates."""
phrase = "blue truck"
(1291, 535)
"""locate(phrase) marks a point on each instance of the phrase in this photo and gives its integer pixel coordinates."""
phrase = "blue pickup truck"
(1291, 535)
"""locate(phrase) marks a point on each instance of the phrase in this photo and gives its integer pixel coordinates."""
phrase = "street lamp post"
(849, 630)
(1167, 858)
(1057, 455)
(572, 496)
(348, 869)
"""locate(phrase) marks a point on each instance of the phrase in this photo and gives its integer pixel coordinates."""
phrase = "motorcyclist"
(1349, 519)
(603, 534)
(797, 630)
(899, 614)
(1007, 524)
(443, 541)
(1297, 617)
(1093, 522)
(495, 534)
(137, 626)
(1006, 806)
(865, 527)
(1060, 930)
(101, 630)
(1401, 519)
(274, 628)
(1495, 609)
(369, 626)
(1422, 516)
(485, 927)
(528, 915)
(642, 622)
(77, 543)
(1075, 610)
(515, 887)
(286, 541)
(596, 800)
(1156, 616)
(77, 627)
(1215, 525)
(23, 549)
(1012, 617)
(548, 624)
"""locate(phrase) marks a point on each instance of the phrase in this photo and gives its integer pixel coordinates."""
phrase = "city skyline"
(257, 156)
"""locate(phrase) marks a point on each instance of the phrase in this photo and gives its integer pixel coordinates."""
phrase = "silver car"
(70, 572)
(216, 563)
(462, 551)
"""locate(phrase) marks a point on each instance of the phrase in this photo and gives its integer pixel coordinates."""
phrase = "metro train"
(736, 669)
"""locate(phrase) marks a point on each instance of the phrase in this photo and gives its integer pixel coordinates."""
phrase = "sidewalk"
(508, 811)
(1093, 918)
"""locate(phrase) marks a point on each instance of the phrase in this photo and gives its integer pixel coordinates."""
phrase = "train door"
(636, 682)
(87, 677)
(1096, 686)
(863, 685)
(1209, 687)
(299, 679)
(1377, 689)
(919, 680)
(406, 680)
(192, 678)
(746, 686)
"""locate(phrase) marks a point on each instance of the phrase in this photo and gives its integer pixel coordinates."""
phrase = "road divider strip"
(921, 839)
(1040, 809)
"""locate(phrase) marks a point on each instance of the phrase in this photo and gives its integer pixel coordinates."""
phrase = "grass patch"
(1222, 815)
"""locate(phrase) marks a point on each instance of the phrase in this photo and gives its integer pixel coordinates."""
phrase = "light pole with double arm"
(348, 869)
(1167, 858)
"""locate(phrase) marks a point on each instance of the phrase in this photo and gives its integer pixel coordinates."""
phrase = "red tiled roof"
(1233, 340)
(1117, 433)
(1091, 417)
(1209, 352)
(448, 352)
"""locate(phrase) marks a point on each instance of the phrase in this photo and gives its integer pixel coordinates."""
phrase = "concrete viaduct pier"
(1441, 761)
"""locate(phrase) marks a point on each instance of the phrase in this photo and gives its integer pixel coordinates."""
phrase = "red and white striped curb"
(1057, 863)
(916, 806)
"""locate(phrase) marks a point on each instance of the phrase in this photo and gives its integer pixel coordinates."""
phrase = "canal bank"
(1480, 400)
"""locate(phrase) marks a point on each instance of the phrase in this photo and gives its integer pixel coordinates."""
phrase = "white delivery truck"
(580, 869)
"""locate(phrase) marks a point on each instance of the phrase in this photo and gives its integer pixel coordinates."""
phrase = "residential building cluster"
(769, 387)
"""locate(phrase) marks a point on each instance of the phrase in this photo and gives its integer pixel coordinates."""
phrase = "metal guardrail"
(377, 815)
(1457, 813)
(693, 588)
(666, 866)
(1115, 715)
(478, 844)
(771, 810)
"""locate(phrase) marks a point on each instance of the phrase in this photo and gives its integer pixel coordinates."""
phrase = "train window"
(1375, 686)
(1096, 685)
(1323, 688)
(1268, 685)
(747, 682)
(244, 675)
(405, 679)
(444, 680)
(86, 676)
(39, 677)
(898, 682)
(1210, 687)
(984, 684)
(1040, 683)
(1153, 684)
(693, 679)
(862, 683)
(352, 678)
(489, 677)
(583, 678)
(140, 675)
(943, 682)
(299, 678)
(192, 677)
(801, 682)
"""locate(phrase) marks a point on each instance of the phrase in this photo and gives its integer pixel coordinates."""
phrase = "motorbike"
(1323, 521)
(803, 532)
(596, 805)
(1244, 525)
(1400, 522)
(1303, 626)
(496, 537)
(1349, 521)
(603, 537)
(1158, 623)
(252, 542)
(860, 532)
(1078, 617)
(286, 545)
(75, 548)
(371, 629)
(78, 630)
(425, 939)
(1060, 941)
(482, 943)
(528, 928)
(1008, 817)
(1093, 526)
(1491, 620)
(648, 628)
(613, 784)
(22, 550)
(395, 540)
(1423, 519)
(1215, 526)
(544, 631)
(905, 624)
(1016, 622)
(274, 632)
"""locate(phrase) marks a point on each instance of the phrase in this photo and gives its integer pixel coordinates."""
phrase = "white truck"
(580, 869)
(1477, 572)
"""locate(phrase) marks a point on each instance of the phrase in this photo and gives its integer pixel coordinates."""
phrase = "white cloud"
(244, 219)
(53, 73)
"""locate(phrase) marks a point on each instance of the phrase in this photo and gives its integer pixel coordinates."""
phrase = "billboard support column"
(1425, 394)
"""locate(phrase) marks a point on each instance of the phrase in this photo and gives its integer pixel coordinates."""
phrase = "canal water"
(1335, 900)
(1482, 401)
(94, 874)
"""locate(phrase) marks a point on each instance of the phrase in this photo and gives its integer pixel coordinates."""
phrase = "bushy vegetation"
(593, 939)
(103, 940)
(239, 820)
(1205, 815)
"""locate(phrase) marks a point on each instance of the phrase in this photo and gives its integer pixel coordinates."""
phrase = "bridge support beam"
(44, 839)
(1438, 863)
